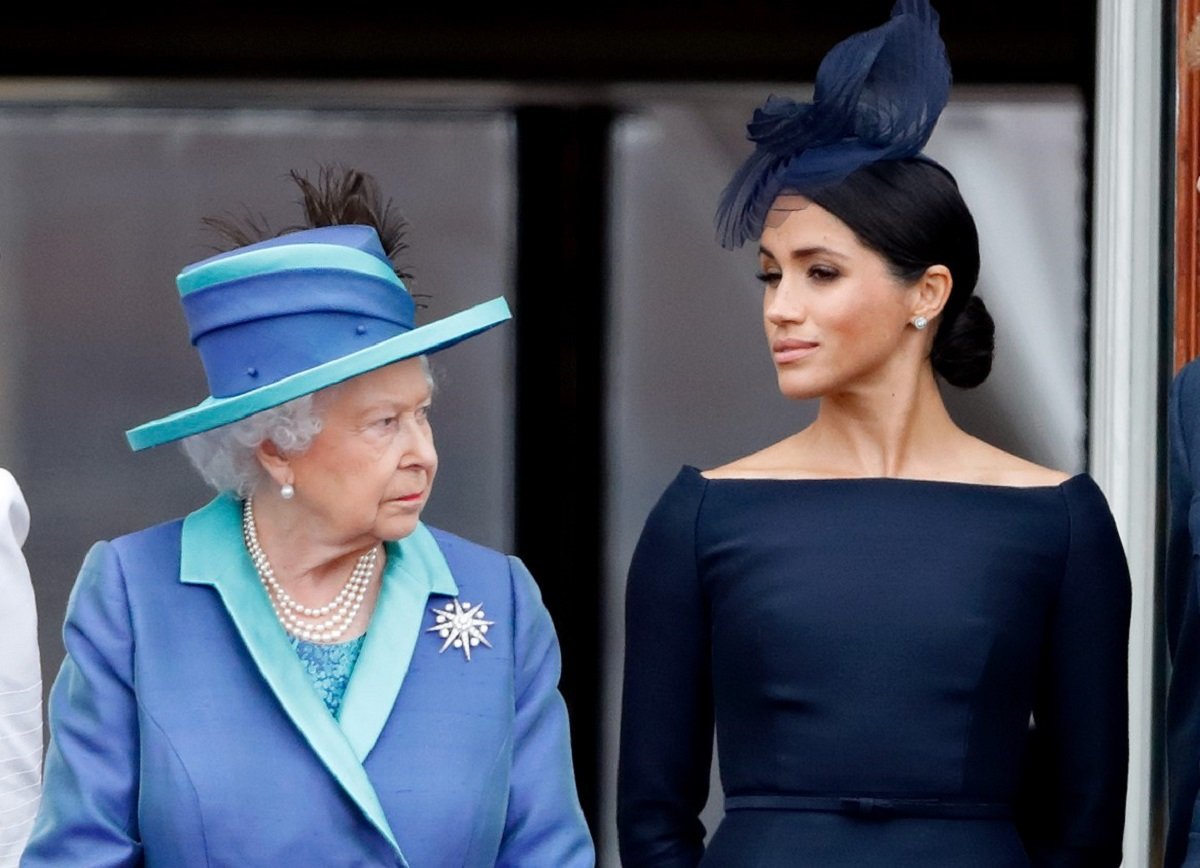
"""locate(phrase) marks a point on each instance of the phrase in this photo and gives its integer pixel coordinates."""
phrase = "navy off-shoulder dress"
(900, 672)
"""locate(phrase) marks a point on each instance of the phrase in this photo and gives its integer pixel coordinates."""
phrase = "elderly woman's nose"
(419, 445)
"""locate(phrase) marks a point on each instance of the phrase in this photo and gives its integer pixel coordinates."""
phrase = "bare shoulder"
(994, 466)
(779, 460)
(752, 465)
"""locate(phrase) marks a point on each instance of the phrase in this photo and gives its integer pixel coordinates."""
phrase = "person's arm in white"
(20, 680)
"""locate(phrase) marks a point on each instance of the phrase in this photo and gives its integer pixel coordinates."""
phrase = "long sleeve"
(1182, 617)
(545, 824)
(1081, 709)
(88, 814)
(20, 680)
(667, 715)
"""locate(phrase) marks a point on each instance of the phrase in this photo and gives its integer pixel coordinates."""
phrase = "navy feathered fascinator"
(878, 95)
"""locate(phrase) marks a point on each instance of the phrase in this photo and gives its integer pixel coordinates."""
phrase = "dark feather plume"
(337, 196)
(341, 196)
(235, 231)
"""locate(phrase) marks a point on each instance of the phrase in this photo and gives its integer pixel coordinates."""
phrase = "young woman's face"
(370, 470)
(834, 314)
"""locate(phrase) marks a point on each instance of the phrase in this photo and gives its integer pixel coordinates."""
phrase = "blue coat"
(185, 731)
(1182, 602)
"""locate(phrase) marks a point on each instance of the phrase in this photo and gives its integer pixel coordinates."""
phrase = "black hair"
(912, 214)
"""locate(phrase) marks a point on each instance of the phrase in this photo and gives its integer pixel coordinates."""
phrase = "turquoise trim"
(212, 553)
(214, 412)
(266, 260)
(415, 568)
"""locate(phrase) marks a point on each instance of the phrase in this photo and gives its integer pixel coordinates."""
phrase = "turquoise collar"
(212, 553)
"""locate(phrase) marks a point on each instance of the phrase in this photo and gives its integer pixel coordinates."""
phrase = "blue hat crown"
(268, 310)
(287, 317)
(878, 95)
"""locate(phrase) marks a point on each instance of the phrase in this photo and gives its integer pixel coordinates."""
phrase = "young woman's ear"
(932, 292)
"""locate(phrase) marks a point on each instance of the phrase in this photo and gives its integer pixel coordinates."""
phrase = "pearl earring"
(286, 491)
(919, 322)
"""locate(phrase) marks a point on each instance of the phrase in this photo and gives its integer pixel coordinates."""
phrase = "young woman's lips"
(788, 350)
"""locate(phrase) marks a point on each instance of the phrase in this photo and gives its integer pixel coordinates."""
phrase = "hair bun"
(964, 345)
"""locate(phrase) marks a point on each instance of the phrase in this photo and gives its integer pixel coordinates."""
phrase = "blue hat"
(877, 96)
(285, 317)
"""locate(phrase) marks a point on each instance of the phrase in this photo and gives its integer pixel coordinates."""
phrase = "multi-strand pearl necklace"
(312, 624)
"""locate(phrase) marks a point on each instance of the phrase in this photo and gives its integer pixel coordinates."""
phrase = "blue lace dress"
(329, 667)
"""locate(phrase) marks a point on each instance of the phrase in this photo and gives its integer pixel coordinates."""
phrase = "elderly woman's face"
(370, 470)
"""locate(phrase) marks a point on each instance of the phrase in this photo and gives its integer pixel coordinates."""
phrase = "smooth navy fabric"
(169, 749)
(877, 641)
(1182, 604)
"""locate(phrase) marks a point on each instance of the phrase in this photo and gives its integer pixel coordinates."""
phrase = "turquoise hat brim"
(215, 412)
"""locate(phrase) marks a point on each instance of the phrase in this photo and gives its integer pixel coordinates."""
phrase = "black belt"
(871, 806)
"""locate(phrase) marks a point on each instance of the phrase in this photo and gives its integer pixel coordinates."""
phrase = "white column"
(1125, 405)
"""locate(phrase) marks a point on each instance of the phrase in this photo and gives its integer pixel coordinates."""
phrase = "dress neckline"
(889, 480)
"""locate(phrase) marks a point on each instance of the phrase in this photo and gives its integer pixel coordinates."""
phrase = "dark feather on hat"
(342, 196)
(238, 231)
(338, 196)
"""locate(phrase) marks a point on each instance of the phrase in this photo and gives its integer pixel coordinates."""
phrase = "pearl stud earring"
(919, 322)
(286, 491)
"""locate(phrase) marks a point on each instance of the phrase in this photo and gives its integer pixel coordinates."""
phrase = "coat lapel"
(208, 558)
(415, 568)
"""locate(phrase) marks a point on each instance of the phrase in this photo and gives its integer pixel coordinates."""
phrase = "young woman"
(912, 643)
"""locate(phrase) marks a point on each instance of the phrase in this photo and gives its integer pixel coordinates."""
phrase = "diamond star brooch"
(461, 625)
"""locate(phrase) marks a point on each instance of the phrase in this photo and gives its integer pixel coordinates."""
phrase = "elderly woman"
(302, 672)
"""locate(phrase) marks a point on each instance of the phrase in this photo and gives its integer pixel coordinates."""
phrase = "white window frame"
(1126, 392)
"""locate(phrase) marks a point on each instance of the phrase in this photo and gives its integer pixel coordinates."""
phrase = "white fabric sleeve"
(20, 680)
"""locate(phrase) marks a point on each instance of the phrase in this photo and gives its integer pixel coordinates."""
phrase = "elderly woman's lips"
(410, 498)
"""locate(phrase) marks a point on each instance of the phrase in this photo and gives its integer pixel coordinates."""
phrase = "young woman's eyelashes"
(817, 272)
